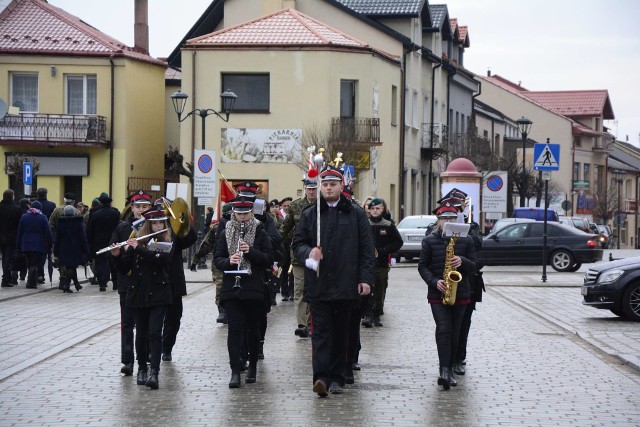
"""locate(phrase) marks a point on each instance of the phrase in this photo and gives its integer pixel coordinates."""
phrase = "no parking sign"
(204, 177)
(494, 192)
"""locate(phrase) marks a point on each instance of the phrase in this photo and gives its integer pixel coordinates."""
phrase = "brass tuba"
(178, 214)
(451, 276)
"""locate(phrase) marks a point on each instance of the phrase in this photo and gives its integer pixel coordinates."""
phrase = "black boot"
(251, 374)
(32, 278)
(74, 278)
(445, 377)
(141, 378)
(65, 282)
(152, 380)
(366, 321)
(376, 321)
(452, 379)
(235, 379)
(221, 315)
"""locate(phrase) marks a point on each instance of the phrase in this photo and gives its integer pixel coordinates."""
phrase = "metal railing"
(356, 130)
(54, 128)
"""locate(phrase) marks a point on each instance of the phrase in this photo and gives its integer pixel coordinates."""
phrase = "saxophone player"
(432, 266)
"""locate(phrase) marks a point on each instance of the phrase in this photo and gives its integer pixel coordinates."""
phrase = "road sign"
(27, 173)
(204, 177)
(547, 157)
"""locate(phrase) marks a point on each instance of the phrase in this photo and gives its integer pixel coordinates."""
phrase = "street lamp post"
(618, 177)
(179, 100)
(525, 126)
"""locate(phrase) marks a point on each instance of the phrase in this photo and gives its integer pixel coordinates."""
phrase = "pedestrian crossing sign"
(547, 157)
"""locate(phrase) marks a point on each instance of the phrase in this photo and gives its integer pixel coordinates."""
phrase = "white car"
(503, 222)
(413, 229)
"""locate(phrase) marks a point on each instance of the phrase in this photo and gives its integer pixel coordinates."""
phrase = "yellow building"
(91, 110)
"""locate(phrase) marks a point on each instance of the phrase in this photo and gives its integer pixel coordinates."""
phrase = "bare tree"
(174, 163)
(606, 203)
(14, 166)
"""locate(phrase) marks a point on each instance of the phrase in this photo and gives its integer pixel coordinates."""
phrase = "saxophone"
(451, 275)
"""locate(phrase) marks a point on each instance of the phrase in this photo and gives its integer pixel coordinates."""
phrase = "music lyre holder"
(455, 229)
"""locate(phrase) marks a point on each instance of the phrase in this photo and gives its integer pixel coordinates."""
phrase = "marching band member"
(149, 293)
(432, 264)
(243, 245)
(139, 202)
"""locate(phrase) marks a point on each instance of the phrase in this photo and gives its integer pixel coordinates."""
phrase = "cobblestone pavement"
(536, 356)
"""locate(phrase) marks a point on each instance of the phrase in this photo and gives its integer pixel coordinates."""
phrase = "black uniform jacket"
(386, 238)
(432, 260)
(252, 286)
(347, 248)
(149, 285)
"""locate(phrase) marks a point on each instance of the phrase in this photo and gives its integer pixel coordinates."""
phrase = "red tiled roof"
(36, 27)
(575, 103)
(283, 28)
(506, 84)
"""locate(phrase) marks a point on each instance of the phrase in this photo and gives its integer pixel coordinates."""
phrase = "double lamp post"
(179, 100)
(525, 126)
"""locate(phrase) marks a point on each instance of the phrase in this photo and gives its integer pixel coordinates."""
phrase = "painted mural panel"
(241, 145)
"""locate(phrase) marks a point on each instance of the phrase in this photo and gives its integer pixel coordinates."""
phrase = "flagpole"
(318, 161)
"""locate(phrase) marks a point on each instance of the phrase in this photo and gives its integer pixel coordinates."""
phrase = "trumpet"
(240, 240)
(121, 244)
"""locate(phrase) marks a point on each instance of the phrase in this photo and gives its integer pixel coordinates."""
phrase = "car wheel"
(618, 312)
(575, 267)
(631, 302)
(562, 260)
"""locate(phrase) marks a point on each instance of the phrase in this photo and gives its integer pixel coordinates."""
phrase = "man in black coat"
(47, 206)
(10, 215)
(338, 270)
(102, 224)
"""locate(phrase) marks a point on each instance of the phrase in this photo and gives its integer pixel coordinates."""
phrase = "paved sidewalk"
(522, 368)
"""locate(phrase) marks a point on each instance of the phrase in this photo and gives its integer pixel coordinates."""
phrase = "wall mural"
(241, 145)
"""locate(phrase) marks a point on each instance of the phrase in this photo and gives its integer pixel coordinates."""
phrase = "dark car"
(522, 244)
(614, 286)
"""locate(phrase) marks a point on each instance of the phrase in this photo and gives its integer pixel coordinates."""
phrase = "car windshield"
(410, 222)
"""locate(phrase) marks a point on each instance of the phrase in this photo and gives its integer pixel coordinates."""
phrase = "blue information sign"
(546, 157)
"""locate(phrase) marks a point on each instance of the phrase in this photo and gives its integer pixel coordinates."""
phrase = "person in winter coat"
(149, 293)
(338, 270)
(10, 215)
(70, 247)
(34, 240)
(448, 318)
(102, 224)
(243, 245)
(19, 259)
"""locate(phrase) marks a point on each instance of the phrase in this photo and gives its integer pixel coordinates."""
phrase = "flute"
(121, 244)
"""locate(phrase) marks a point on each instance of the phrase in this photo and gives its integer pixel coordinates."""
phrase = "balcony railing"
(59, 128)
(356, 131)
(435, 139)
(630, 205)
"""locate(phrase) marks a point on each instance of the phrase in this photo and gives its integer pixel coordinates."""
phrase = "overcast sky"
(544, 44)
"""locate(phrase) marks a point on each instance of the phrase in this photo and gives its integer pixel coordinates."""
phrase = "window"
(24, 91)
(252, 91)
(586, 172)
(347, 99)
(394, 105)
(576, 171)
(81, 94)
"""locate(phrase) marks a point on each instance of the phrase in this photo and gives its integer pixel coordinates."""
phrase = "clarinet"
(242, 231)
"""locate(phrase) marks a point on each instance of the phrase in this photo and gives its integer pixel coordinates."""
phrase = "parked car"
(577, 222)
(503, 222)
(413, 229)
(604, 240)
(614, 286)
(522, 244)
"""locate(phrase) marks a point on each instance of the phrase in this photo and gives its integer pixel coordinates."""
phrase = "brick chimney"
(141, 27)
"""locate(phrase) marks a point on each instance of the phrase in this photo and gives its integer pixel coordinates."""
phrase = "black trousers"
(127, 323)
(244, 317)
(103, 271)
(330, 334)
(353, 345)
(461, 354)
(448, 320)
(171, 325)
(149, 335)
(8, 251)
